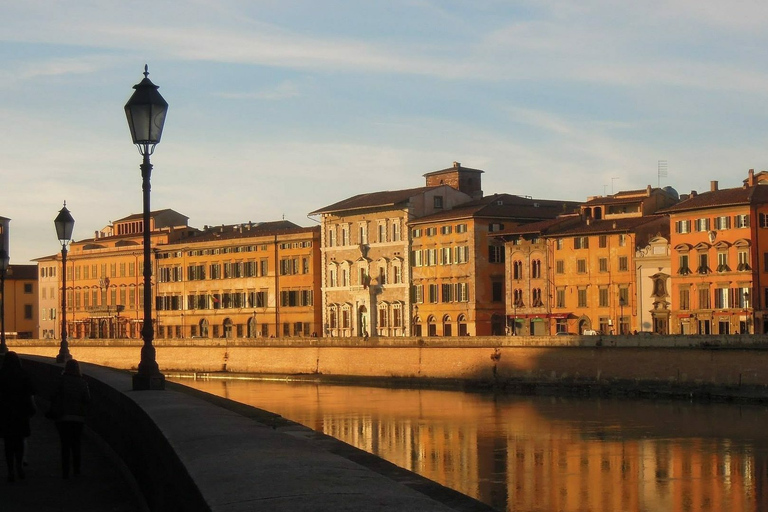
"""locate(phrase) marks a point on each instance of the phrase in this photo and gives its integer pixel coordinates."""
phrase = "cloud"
(281, 91)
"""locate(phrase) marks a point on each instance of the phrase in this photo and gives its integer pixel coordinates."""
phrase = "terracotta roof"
(512, 207)
(756, 194)
(373, 199)
(139, 216)
(455, 167)
(232, 231)
(19, 272)
(544, 227)
(611, 225)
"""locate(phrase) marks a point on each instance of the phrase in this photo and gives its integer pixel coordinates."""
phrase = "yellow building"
(20, 302)
(243, 280)
(105, 283)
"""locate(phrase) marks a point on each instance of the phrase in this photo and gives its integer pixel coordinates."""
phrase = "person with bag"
(17, 405)
(68, 409)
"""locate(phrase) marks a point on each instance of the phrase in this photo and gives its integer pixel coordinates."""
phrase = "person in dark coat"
(16, 407)
(70, 402)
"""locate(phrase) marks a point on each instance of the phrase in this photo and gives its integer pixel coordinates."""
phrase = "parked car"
(564, 333)
(591, 332)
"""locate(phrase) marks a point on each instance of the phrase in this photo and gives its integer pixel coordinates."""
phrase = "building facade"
(240, 281)
(20, 302)
(719, 245)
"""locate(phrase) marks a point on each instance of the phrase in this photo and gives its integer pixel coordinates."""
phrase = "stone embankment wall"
(722, 365)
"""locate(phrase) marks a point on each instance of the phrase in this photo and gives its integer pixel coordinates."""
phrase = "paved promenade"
(101, 487)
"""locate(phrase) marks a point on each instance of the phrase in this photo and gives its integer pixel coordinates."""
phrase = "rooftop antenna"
(662, 172)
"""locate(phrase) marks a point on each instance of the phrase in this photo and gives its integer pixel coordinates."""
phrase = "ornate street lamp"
(5, 260)
(64, 224)
(146, 111)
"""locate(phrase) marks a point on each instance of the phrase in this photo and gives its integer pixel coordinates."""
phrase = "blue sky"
(278, 108)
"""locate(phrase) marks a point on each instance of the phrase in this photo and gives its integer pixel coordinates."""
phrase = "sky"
(279, 107)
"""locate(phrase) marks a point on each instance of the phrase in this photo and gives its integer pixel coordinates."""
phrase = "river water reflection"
(528, 454)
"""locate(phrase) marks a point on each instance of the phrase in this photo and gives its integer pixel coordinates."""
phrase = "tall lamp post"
(146, 110)
(5, 260)
(64, 224)
(622, 302)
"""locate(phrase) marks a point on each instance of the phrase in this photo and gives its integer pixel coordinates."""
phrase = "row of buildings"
(439, 260)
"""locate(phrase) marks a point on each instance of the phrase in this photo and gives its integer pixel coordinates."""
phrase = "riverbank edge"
(433, 490)
(609, 388)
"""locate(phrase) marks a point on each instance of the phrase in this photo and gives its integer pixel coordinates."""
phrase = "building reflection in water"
(527, 454)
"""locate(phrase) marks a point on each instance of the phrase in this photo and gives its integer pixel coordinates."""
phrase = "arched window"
(203, 328)
(462, 321)
(227, 325)
(447, 330)
(536, 269)
(517, 297)
(431, 326)
(536, 297)
(517, 270)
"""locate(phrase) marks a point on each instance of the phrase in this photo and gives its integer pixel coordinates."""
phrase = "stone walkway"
(102, 486)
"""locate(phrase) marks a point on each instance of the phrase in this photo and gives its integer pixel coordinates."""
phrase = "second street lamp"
(5, 260)
(65, 224)
(146, 111)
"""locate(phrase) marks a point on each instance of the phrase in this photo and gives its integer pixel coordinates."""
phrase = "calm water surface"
(527, 454)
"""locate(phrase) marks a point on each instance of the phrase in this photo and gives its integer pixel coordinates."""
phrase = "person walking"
(17, 405)
(68, 408)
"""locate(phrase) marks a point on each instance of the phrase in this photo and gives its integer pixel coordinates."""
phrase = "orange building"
(718, 241)
(20, 302)
(458, 263)
(242, 280)
(578, 273)
(105, 284)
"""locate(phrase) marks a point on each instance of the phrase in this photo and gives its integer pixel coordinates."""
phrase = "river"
(541, 454)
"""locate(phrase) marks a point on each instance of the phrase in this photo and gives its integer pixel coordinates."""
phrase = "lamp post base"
(63, 357)
(145, 382)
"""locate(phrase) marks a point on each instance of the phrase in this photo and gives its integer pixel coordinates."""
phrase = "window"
(742, 297)
(581, 242)
(332, 236)
(743, 261)
(417, 292)
(396, 230)
(396, 275)
(559, 243)
(446, 256)
(495, 254)
(438, 202)
(495, 226)
(447, 293)
(27, 287)
(430, 231)
(623, 263)
(517, 270)
(581, 266)
(721, 298)
(622, 240)
(27, 311)
(417, 258)
(362, 236)
(602, 241)
(461, 254)
(624, 295)
(684, 269)
(703, 267)
(536, 298)
(461, 228)
(446, 230)
(763, 220)
(723, 222)
(603, 297)
(382, 233)
(497, 291)
(345, 235)
(701, 224)
(560, 267)
(704, 302)
(603, 264)
(462, 292)
(722, 262)
(536, 269)
(433, 293)
(683, 226)
(416, 233)
(560, 298)
(685, 299)
(517, 297)
(582, 297)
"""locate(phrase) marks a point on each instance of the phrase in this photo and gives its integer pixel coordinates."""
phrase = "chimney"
(694, 193)
(456, 165)
(713, 186)
(751, 179)
(648, 191)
